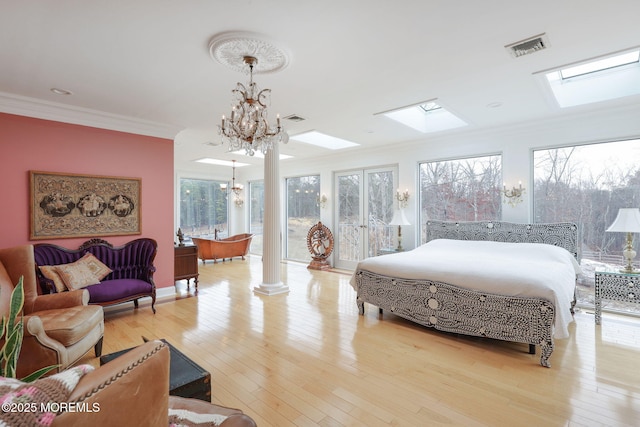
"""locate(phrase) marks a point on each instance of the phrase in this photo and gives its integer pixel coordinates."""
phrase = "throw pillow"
(88, 270)
(36, 403)
(96, 266)
(49, 271)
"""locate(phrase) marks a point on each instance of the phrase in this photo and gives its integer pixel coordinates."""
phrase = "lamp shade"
(627, 221)
(399, 218)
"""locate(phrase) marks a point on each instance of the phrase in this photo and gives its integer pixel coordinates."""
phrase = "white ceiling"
(146, 64)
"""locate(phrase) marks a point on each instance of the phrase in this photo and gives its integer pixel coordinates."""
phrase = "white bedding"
(512, 269)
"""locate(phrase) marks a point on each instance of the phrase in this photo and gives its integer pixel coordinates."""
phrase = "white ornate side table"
(616, 286)
(386, 251)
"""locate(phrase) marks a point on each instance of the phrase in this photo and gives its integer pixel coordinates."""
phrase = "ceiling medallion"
(230, 48)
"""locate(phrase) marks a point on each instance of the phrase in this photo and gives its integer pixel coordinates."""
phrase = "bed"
(500, 280)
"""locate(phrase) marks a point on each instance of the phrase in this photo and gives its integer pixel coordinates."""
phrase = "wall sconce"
(513, 196)
(321, 200)
(403, 198)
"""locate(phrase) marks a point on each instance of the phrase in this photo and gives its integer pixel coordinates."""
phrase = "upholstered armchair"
(133, 390)
(58, 328)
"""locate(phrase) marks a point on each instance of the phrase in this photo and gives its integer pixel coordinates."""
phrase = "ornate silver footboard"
(453, 309)
(449, 308)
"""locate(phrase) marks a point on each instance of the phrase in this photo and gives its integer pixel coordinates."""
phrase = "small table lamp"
(399, 219)
(627, 221)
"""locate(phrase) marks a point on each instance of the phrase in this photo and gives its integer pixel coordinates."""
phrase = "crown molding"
(46, 110)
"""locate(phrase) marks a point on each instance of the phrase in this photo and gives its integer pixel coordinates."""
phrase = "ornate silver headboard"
(563, 234)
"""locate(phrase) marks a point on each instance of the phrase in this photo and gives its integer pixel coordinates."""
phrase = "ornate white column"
(272, 235)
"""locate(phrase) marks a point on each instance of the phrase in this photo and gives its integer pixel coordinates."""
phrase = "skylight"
(259, 155)
(600, 65)
(219, 162)
(602, 79)
(322, 140)
(426, 117)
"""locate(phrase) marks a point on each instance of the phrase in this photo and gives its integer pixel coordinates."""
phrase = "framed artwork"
(70, 205)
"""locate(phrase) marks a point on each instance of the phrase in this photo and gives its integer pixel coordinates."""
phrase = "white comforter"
(512, 269)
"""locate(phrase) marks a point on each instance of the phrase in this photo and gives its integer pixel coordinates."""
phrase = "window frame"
(257, 240)
(585, 285)
(286, 216)
(215, 183)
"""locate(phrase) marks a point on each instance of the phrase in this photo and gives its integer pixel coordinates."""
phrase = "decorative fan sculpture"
(320, 244)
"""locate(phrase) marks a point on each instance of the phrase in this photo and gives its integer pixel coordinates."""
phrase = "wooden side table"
(615, 286)
(186, 263)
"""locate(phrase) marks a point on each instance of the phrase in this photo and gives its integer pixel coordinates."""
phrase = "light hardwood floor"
(307, 358)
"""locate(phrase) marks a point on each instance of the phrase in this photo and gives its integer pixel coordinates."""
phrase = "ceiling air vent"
(530, 45)
(212, 143)
(295, 118)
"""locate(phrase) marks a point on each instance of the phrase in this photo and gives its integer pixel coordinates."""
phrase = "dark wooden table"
(186, 378)
(186, 263)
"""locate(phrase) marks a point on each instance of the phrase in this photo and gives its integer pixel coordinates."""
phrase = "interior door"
(364, 208)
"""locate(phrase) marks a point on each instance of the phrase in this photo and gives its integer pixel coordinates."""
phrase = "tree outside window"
(203, 207)
(303, 212)
(461, 190)
(587, 185)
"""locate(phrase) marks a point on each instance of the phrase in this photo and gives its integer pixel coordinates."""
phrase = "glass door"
(364, 208)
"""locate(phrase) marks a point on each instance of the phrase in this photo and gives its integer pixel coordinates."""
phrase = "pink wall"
(33, 144)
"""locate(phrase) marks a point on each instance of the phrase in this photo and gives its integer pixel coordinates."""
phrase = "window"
(461, 190)
(203, 207)
(587, 184)
(303, 211)
(256, 215)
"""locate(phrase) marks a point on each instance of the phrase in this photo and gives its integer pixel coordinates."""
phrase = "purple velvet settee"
(131, 264)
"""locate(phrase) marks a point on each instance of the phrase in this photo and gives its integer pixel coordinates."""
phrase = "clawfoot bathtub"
(234, 246)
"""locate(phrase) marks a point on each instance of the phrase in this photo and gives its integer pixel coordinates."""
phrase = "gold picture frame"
(72, 205)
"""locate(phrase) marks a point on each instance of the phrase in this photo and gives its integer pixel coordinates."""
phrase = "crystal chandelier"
(237, 189)
(248, 127)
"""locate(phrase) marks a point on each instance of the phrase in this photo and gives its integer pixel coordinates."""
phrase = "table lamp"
(399, 219)
(627, 221)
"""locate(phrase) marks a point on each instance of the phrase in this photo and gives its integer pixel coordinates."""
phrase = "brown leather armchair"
(133, 389)
(58, 328)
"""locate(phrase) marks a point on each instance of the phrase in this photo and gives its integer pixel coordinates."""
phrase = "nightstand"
(616, 286)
